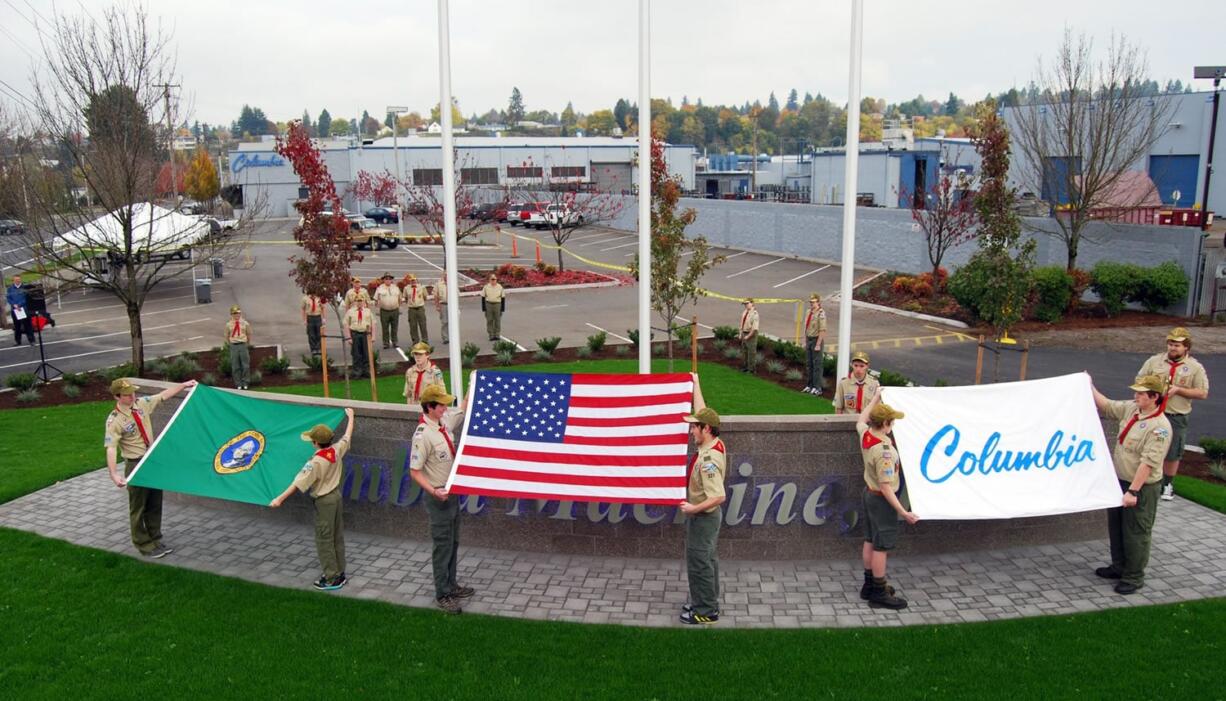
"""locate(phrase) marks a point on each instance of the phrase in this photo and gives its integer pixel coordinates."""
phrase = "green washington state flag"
(228, 446)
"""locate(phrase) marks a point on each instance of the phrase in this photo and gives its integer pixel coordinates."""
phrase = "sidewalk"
(1188, 562)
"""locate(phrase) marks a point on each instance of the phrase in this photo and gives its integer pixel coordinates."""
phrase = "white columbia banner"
(1003, 451)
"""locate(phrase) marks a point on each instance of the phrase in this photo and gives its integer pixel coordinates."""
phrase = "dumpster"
(204, 290)
(219, 267)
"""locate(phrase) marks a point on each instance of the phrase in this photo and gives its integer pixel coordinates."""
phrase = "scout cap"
(386, 276)
(411, 277)
(420, 347)
(861, 356)
(705, 415)
(436, 393)
(815, 297)
(319, 434)
(747, 300)
(884, 412)
(235, 310)
(356, 280)
(1149, 383)
(1179, 335)
(123, 386)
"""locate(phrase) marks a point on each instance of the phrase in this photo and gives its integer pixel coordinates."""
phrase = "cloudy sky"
(367, 54)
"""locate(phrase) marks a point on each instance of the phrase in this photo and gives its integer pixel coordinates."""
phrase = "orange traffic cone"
(514, 246)
(538, 252)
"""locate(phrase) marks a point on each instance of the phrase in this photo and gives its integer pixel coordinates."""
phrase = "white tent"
(154, 230)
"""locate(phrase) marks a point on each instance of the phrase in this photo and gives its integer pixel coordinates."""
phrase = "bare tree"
(98, 92)
(425, 202)
(946, 215)
(1091, 123)
(570, 204)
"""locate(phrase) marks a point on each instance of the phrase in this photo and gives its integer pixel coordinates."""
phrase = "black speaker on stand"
(40, 318)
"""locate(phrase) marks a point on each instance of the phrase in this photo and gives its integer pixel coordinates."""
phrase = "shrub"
(595, 342)
(788, 351)
(385, 368)
(21, 381)
(512, 271)
(725, 333)
(683, 334)
(1115, 283)
(732, 352)
(76, 379)
(114, 373)
(622, 350)
(156, 366)
(550, 344)
(1161, 286)
(941, 382)
(470, 348)
(256, 378)
(994, 286)
(719, 344)
(314, 363)
(911, 305)
(659, 349)
(275, 366)
(297, 375)
(223, 361)
(633, 335)
(889, 378)
(180, 369)
(1215, 449)
(543, 355)
(546, 269)
(28, 396)
(775, 367)
(830, 364)
(210, 379)
(902, 285)
(71, 391)
(505, 347)
(466, 359)
(1053, 286)
(793, 374)
(583, 352)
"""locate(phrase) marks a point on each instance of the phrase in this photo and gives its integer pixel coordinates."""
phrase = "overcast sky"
(368, 54)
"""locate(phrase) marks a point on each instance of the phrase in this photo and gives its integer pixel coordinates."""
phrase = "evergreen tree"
(515, 107)
(620, 111)
(792, 103)
(323, 125)
(952, 105)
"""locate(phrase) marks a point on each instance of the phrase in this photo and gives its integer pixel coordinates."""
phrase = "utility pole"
(170, 143)
(395, 111)
(1216, 73)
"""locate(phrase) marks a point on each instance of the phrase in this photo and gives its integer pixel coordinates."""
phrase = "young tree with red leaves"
(379, 188)
(946, 215)
(425, 205)
(567, 207)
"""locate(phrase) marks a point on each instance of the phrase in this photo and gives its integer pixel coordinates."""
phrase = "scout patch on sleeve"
(709, 468)
(1161, 434)
(306, 469)
(108, 439)
(417, 453)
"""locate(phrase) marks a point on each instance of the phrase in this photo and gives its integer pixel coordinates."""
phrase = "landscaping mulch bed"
(1197, 465)
(514, 277)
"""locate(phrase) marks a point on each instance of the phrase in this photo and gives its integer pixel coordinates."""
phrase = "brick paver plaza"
(1188, 562)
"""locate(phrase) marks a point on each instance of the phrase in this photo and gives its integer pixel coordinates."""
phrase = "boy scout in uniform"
(815, 339)
(749, 336)
(387, 299)
(358, 323)
(1186, 380)
(882, 508)
(129, 433)
(313, 318)
(321, 478)
(852, 391)
(358, 291)
(420, 375)
(704, 493)
(238, 337)
(493, 303)
(440, 305)
(415, 299)
(430, 465)
(1140, 447)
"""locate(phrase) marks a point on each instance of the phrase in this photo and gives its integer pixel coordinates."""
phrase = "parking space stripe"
(125, 332)
(801, 276)
(749, 270)
(613, 248)
(99, 352)
(618, 337)
(143, 314)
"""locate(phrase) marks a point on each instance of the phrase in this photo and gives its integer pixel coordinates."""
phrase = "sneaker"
(448, 604)
(1168, 492)
(160, 551)
(460, 592)
(687, 608)
(338, 581)
(1126, 588)
(321, 583)
(697, 619)
(807, 390)
(1109, 572)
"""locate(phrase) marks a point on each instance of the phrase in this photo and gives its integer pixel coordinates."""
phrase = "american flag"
(608, 438)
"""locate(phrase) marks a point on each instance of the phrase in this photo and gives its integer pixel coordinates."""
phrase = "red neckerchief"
(359, 315)
(312, 306)
(443, 430)
(1170, 380)
(417, 384)
(859, 392)
(234, 333)
(717, 445)
(328, 454)
(869, 440)
(743, 318)
(413, 292)
(807, 320)
(140, 425)
(1133, 420)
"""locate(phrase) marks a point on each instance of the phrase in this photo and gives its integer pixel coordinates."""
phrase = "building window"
(568, 171)
(524, 171)
(479, 176)
(427, 176)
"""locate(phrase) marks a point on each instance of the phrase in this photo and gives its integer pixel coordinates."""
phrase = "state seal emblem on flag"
(240, 453)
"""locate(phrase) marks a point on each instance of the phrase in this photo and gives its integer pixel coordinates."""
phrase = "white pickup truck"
(558, 216)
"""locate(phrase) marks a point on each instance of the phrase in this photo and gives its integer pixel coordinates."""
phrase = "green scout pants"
(442, 319)
(330, 533)
(702, 560)
(445, 533)
(493, 320)
(144, 513)
(360, 362)
(1131, 531)
(240, 364)
(750, 348)
(813, 358)
(417, 325)
(389, 323)
(314, 328)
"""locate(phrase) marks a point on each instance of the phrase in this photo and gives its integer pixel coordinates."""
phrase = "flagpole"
(851, 165)
(645, 187)
(449, 213)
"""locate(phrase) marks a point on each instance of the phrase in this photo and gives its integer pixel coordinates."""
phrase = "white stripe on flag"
(574, 449)
(678, 408)
(677, 493)
(614, 431)
(515, 466)
(582, 390)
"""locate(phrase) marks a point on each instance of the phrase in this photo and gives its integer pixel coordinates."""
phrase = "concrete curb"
(910, 315)
(611, 282)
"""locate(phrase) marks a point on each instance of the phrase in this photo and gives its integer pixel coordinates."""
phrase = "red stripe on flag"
(585, 480)
(623, 420)
(593, 379)
(615, 402)
(460, 489)
(563, 458)
(621, 441)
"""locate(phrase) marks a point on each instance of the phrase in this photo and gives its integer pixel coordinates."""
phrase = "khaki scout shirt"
(880, 459)
(440, 291)
(431, 453)
(1187, 373)
(851, 396)
(414, 295)
(388, 297)
(815, 323)
(1146, 441)
(707, 472)
(492, 293)
(240, 335)
(322, 473)
(121, 430)
(358, 319)
(417, 380)
(353, 295)
(312, 306)
(749, 322)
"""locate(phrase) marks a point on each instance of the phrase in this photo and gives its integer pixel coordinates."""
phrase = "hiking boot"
(867, 587)
(1109, 572)
(697, 619)
(881, 595)
(1168, 492)
(1126, 588)
(461, 592)
(448, 604)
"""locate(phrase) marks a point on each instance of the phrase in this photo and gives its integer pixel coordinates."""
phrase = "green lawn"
(43, 446)
(1202, 492)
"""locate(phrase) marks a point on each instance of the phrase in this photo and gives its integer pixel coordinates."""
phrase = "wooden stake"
(1025, 357)
(323, 358)
(979, 362)
(538, 252)
(514, 246)
(694, 345)
(370, 360)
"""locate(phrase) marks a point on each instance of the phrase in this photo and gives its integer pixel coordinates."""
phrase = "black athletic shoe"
(1109, 572)
(1126, 588)
(160, 551)
(321, 583)
(338, 581)
(461, 592)
(697, 619)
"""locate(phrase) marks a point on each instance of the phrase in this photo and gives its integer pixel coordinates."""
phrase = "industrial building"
(892, 172)
(604, 164)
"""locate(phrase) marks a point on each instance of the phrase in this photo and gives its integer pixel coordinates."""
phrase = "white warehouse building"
(605, 164)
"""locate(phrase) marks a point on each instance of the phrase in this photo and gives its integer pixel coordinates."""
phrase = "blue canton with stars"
(521, 406)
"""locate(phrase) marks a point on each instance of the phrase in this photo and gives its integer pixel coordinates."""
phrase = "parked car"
(365, 233)
(11, 226)
(489, 211)
(327, 213)
(220, 227)
(513, 211)
(532, 215)
(561, 216)
(384, 215)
